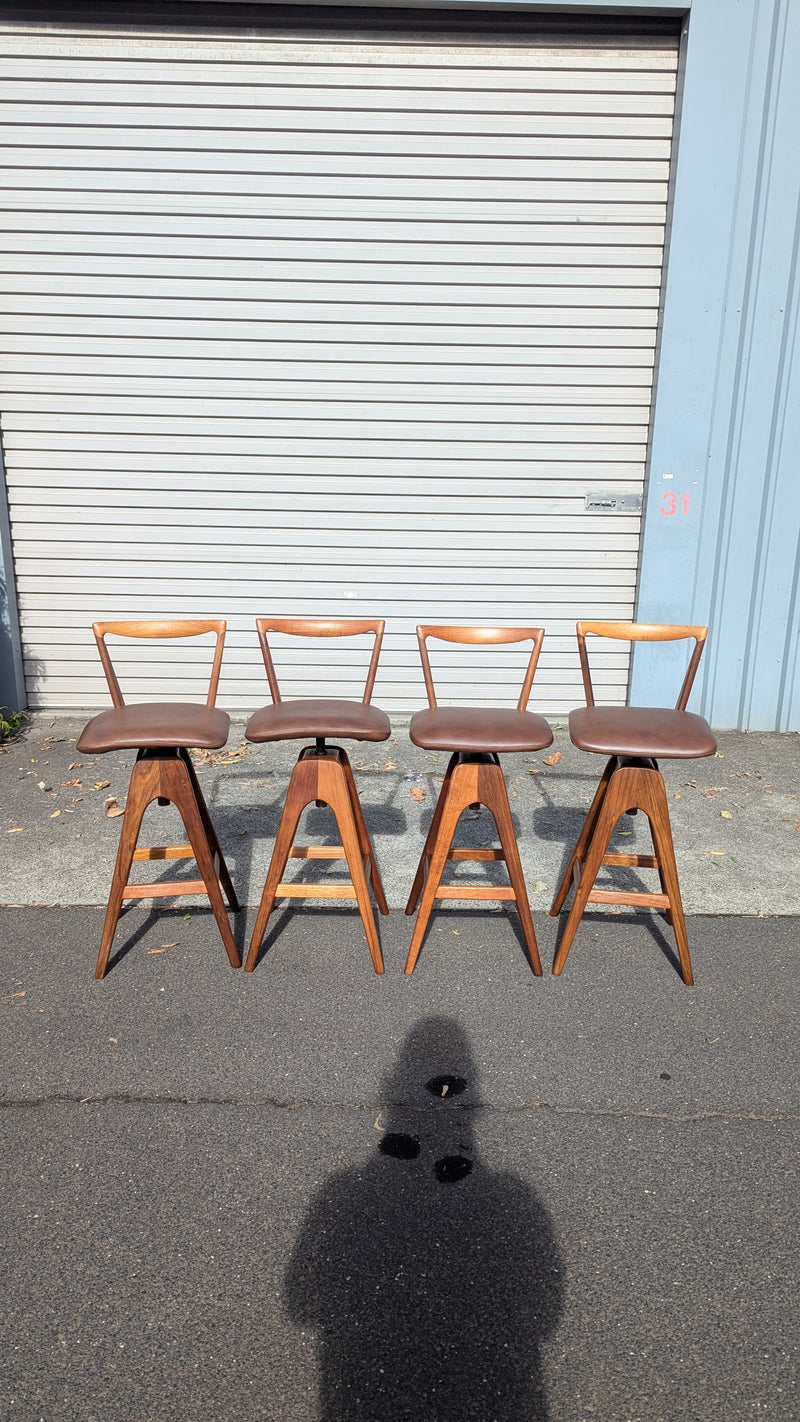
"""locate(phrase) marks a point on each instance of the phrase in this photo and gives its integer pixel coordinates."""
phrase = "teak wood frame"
(168, 776)
(472, 778)
(323, 775)
(628, 783)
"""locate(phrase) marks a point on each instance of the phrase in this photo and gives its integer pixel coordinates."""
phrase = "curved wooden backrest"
(642, 632)
(481, 636)
(161, 628)
(323, 627)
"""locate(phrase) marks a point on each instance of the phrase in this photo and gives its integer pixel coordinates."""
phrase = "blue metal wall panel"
(725, 424)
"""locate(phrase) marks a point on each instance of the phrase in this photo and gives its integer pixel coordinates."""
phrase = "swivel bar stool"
(323, 775)
(635, 738)
(162, 733)
(476, 737)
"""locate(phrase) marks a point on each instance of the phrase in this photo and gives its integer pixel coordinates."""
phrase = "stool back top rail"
(641, 632)
(330, 627)
(480, 636)
(183, 627)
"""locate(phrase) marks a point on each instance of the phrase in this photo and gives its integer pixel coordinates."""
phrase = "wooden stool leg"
(335, 791)
(584, 838)
(494, 795)
(610, 810)
(419, 877)
(176, 783)
(142, 790)
(363, 835)
(461, 790)
(211, 835)
(302, 790)
(657, 811)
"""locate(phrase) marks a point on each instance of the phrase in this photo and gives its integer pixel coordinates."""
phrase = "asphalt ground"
(312, 1193)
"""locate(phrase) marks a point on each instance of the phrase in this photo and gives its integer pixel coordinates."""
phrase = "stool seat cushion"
(156, 725)
(297, 720)
(641, 731)
(472, 728)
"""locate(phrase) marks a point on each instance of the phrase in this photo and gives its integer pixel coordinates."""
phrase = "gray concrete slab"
(736, 817)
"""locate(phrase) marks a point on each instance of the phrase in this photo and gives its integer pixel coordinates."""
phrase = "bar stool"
(162, 733)
(476, 737)
(635, 738)
(323, 775)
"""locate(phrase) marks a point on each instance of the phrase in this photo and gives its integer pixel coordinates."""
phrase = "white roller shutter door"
(317, 327)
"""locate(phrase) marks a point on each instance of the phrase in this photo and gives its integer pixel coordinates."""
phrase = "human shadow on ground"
(429, 1278)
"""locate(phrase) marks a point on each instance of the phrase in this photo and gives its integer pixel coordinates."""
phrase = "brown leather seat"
(470, 728)
(634, 738)
(309, 717)
(155, 725)
(162, 733)
(476, 736)
(653, 732)
(322, 775)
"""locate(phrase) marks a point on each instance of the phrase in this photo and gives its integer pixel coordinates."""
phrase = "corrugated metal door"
(310, 326)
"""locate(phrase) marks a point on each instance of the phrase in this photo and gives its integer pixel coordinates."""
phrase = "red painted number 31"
(670, 502)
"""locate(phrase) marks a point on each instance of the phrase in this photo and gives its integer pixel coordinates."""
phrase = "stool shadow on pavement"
(429, 1278)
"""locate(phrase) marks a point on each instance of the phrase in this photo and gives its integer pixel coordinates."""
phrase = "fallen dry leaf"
(77, 783)
(725, 815)
(417, 793)
(170, 945)
(10, 995)
(207, 757)
(155, 950)
(534, 772)
(19, 830)
(552, 759)
(76, 765)
(114, 811)
(54, 814)
(101, 784)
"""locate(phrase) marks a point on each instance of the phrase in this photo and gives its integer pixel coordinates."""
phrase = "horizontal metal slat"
(551, 75)
(534, 53)
(463, 526)
(31, 411)
(292, 96)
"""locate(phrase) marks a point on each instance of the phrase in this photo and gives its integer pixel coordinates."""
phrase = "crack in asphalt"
(306, 1104)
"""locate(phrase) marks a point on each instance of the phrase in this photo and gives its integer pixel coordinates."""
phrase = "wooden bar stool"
(476, 737)
(162, 733)
(323, 775)
(635, 738)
